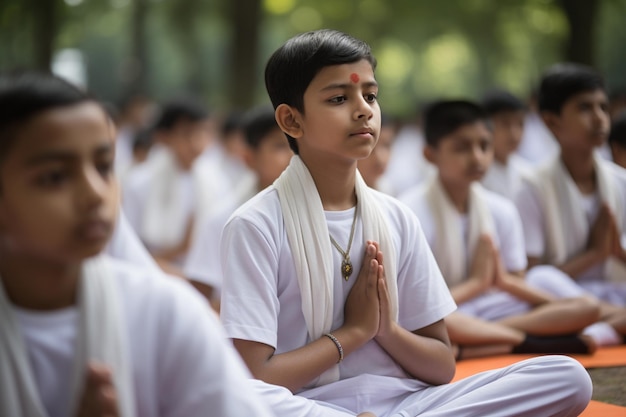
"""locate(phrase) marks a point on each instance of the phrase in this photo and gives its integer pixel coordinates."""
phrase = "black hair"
(25, 94)
(499, 101)
(443, 117)
(180, 109)
(291, 67)
(257, 124)
(618, 131)
(561, 82)
(231, 123)
(143, 138)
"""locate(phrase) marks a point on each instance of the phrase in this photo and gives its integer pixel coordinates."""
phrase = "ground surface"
(609, 385)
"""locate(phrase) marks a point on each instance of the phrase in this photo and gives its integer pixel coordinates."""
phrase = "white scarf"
(100, 337)
(450, 246)
(165, 219)
(567, 228)
(310, 244)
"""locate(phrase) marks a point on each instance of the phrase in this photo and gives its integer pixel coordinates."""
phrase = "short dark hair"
(499, 101)
(562, 81)
(180, 109)
(257, 124)
(291, 67)
(25, 94)
(443, 117)
(618, 131)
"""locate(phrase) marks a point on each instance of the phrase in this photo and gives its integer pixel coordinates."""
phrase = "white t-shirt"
(203, 260)
(538, 144)
(493, 304)
(530, 206)
(506, 180)
(508, 238)
(261, 296)
(182, 364)
(125, 245)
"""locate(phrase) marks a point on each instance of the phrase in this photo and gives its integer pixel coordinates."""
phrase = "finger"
(108, 401)
(98, 373)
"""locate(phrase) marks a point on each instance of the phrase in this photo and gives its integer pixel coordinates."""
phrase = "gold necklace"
(346, 265)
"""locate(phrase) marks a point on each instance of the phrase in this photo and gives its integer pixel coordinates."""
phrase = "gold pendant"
(346, 268)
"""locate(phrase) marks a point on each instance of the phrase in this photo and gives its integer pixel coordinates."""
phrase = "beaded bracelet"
(336, 342)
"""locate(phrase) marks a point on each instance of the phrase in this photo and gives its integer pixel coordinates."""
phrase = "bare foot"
(366, 414)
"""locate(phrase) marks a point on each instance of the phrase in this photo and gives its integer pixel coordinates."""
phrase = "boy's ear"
(287, 119)
(248, 158)
(551, 120)
(430, 154)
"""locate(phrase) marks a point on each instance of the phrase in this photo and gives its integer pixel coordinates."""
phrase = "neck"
(335, 184)
(581, 169)
(39, 285)
(458, 195)
(502, 159)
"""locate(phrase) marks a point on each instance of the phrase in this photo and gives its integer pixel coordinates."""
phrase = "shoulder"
(147, 293)
(262, 209)
(501, 207)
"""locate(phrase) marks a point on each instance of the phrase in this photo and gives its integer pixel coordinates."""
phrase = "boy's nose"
(93, 188)
(363, 110)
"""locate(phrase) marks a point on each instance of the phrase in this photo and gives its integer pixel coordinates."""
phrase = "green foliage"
(425, 49)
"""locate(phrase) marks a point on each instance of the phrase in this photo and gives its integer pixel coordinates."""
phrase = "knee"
(576, 386)
(588, 307)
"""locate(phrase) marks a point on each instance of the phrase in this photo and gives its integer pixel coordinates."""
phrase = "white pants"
(542, 386)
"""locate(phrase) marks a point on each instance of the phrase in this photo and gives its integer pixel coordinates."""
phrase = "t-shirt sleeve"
(423, 295)
(250, 262)
(200, 372)
(528, 205)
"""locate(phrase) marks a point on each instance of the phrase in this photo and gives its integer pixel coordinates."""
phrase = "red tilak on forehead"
(354, 77)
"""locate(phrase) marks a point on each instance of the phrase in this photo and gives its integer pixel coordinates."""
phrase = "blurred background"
(218, 48)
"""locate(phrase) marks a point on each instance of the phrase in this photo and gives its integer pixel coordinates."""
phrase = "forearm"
(467, 290)
(297, 368)
(581, 262)
(425, 358)
(516, 285)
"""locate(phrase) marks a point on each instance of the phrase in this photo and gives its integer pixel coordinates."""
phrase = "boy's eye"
(51, 178)
(105, 168)
(371, 97)
(338, 99)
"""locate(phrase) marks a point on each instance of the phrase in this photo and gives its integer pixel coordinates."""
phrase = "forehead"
(598, 95)
(344, 74)
(76, 127)
(475, 131)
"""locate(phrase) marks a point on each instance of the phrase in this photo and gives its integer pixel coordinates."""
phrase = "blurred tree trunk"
(136, 77)
(581, 16)
(183, 17)
(45, 21)
(245, 16)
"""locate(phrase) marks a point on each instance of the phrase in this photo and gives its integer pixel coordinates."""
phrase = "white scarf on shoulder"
(567, 228)
(310, 244)
(165, 218)
(450, 249)
(100, 337)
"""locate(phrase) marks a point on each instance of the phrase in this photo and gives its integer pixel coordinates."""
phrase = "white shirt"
(261, 297)
(506, 180)
(508, 239)
(182, 365)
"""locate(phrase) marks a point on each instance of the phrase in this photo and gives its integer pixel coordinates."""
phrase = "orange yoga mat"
(604, 357)
(599, 409)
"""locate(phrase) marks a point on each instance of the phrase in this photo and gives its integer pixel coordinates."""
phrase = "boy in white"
(573, 209)
(300, 313)
(166, 197)
(267, 154)
(82, 334)
(476, 237)
(506, 116)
